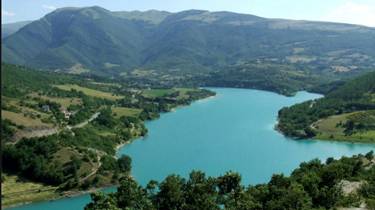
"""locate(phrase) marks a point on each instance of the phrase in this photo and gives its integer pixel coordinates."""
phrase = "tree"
(171, 195)
(151, 189)
(131, 196)
(370, 155)
(105, 118)
(101, 202)
(200, 193)
(229, 182)
(124, 163)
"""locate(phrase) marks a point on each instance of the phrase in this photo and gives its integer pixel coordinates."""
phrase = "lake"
(232, 131)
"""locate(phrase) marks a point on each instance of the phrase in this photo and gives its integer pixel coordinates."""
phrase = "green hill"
(346, 113)
(209, 46)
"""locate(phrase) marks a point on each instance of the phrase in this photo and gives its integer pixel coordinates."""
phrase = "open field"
(65, 154)
(365, 137)
(328, 125)
(14, 191)
(90, 92)
(183, 92)
(123, 111)
(106, 84)
(17, 103)
(20, 119)
(65, 102)
(153, 93)
(328, 130)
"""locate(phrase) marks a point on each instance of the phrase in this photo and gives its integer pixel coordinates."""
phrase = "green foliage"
(131, 196)
(313, 185)
(280, 78)
(100, 202)
(355, 95)
(32, 159)
(121, 165)
(88, 137)
(171, 194)
(124, 163)
(19, 80)
(105, 118)
(108, 163)
(359, 122)
(7, 129)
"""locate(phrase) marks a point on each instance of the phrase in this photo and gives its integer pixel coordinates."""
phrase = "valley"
(185, 110)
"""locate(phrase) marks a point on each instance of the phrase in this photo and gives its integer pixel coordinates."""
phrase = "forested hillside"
(217, 48)
(345, 113)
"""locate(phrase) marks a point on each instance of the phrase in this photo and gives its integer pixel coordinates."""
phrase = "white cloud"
(355, 13)
(49, 7)
(7, 13)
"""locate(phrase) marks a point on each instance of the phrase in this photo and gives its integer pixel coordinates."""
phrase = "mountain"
(224, 47)
(346, 113)
(11, 28)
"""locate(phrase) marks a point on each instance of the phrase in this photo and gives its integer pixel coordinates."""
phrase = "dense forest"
(314, 185)
(348, 108)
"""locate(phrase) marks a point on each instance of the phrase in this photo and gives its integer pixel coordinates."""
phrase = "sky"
(347, 11)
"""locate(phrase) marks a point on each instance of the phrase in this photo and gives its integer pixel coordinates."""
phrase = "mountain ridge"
(193, 41)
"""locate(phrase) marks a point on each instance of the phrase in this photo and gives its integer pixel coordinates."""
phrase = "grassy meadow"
(15, 191)
(89, 92)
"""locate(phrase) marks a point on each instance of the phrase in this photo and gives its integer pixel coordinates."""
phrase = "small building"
(46, 108)
(66, 113)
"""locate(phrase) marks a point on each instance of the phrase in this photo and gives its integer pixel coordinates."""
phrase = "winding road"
(49, 131)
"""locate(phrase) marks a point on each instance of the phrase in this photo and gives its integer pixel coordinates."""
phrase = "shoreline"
(181, 106)
(76, 193)
(319, 138)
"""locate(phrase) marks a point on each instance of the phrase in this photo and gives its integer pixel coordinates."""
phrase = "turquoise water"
(232, 131)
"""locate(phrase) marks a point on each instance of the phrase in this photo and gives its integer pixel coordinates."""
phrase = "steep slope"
(346, 113)
(11, 28)
(191, 41)
(92, 37)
